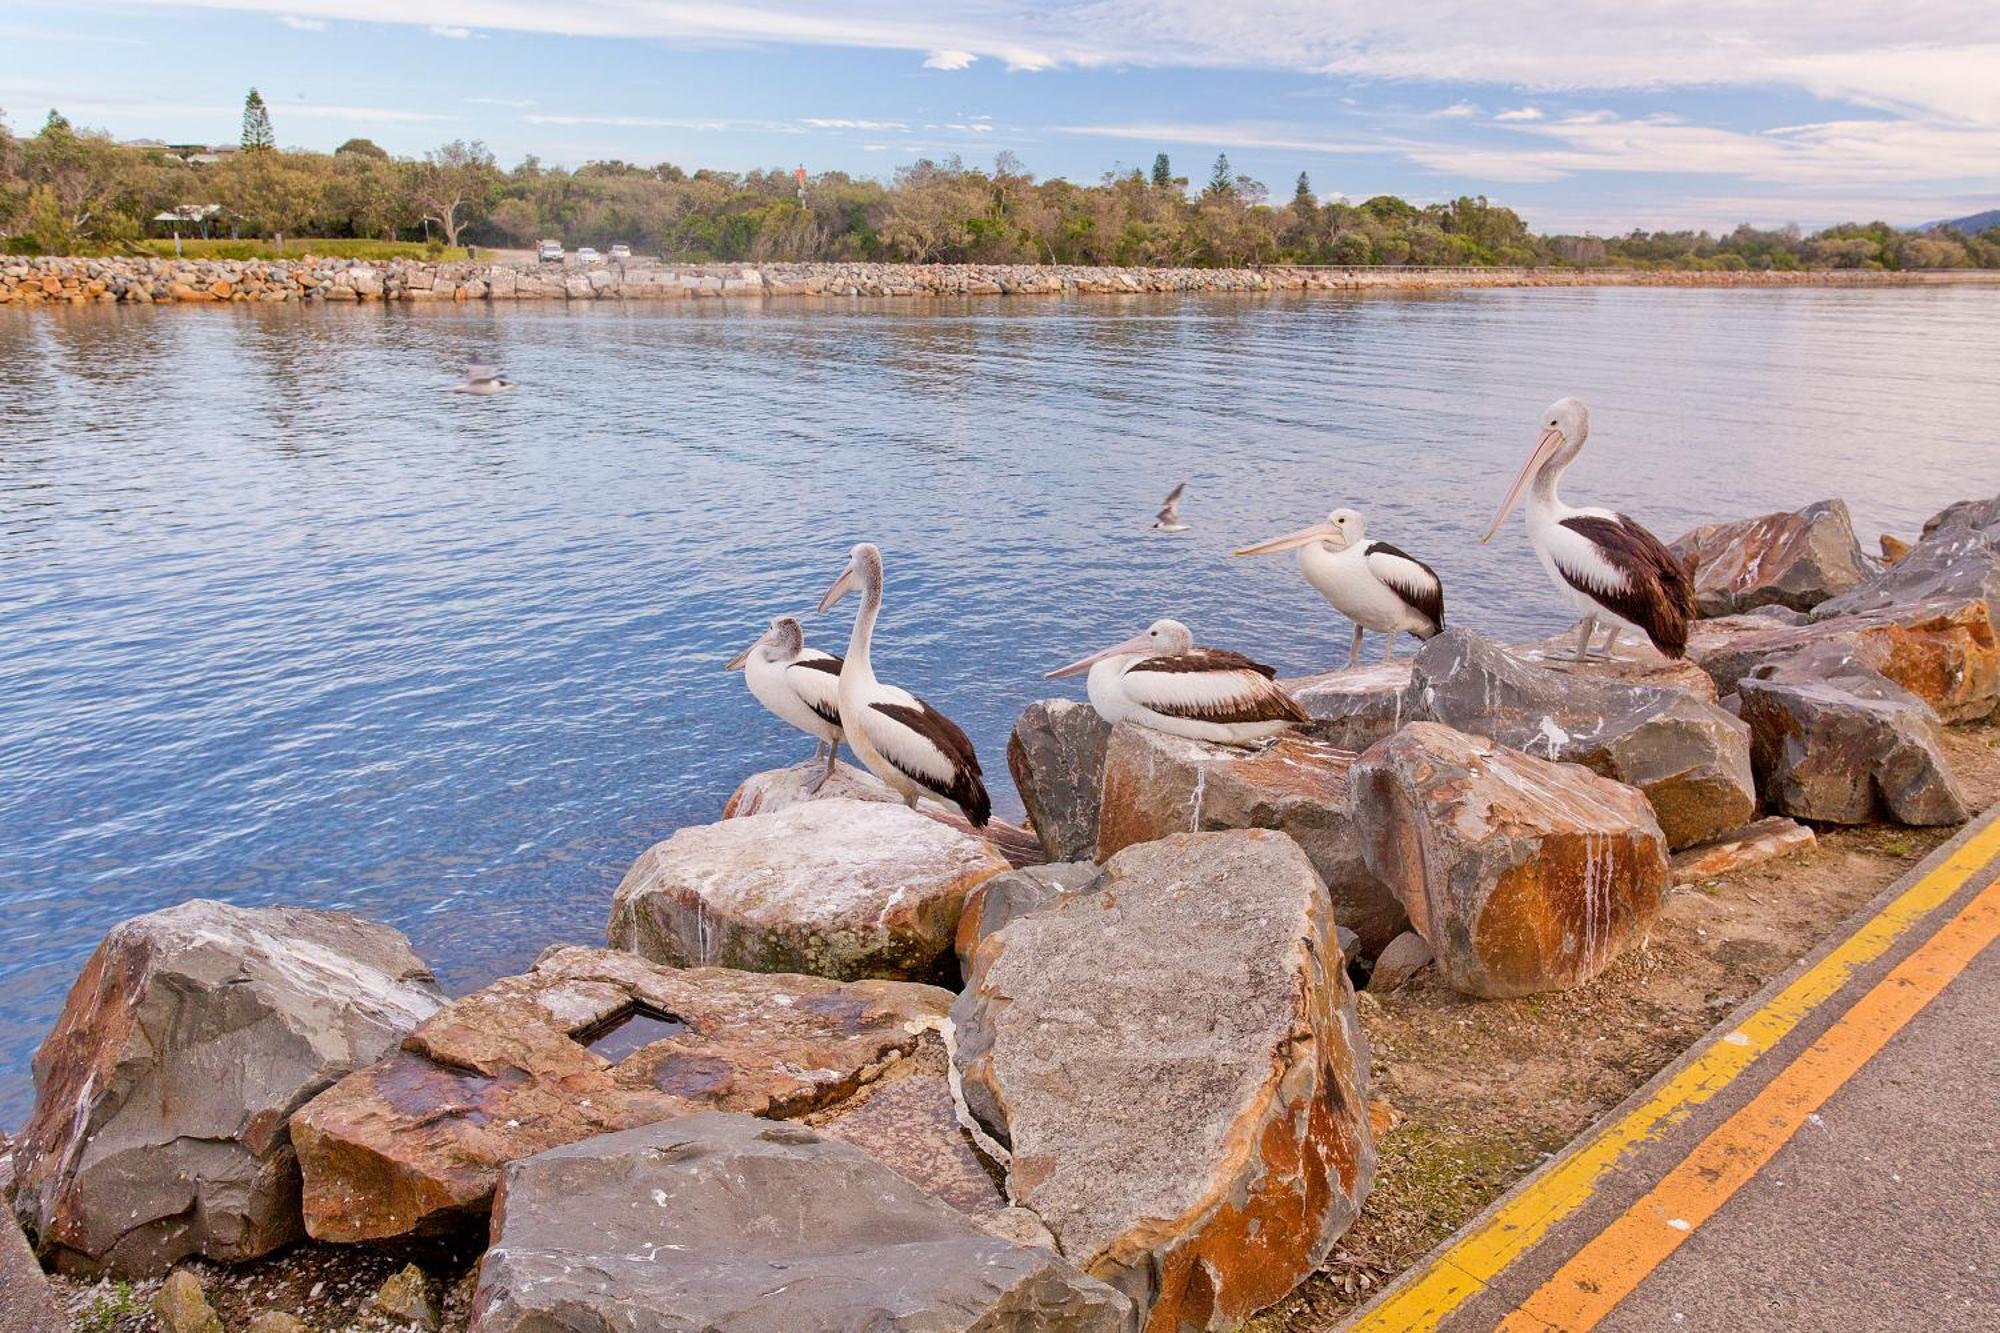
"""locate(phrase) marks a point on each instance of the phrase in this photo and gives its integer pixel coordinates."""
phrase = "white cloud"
(1292, 138)
(516, 103)
(1456, 111)
(949, 60)
(303, 25)
(456, 34)
(1520, 113)
(842, 123)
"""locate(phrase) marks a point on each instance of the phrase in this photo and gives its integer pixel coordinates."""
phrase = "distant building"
(188, 217)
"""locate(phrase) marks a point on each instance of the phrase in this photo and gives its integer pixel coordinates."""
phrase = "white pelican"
(1161, 680)
(1371, 583)
(905, 742)
(799, 684)
(483, 380)
(1169, 517)
(1602, 561)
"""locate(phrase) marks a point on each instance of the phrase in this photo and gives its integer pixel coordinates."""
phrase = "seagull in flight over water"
(483, 380)
(1169, 517)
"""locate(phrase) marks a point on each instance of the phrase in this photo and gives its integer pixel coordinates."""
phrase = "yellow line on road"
(1617, 1259)
(1458, 1274)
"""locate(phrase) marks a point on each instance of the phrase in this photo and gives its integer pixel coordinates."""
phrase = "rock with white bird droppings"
(164, 1093)
(587, 1042)
(1000, 899)
(1981, 514)
(780, 788)
(1156, 784)
(1353, 709)
(722, 1221)
(1056, 755)
(1690, 758)
(837, 888)
(1523, 875)
(1796, 560)
(1956, 563)
(1175, 1063)
(1837, 741)
(1632, 661)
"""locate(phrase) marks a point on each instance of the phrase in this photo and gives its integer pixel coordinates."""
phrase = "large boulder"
(1056, 754)
(586, 1042)
(1836, 741)
(838, 888)
(781, 788)
(1353, 709)
(1156, 784)
(1632, 661)
(1981, 514)
(26, 1303)
(1175, 1064)
(1796, 560)
(1690, 758)
(164, 1093)
(1945, 652)
(1524, 875)
(1954, 564)
(727, 1222)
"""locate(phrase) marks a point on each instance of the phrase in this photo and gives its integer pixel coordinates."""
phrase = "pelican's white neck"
(863, 632)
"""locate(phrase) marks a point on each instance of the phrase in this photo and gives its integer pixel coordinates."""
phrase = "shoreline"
(149, 281)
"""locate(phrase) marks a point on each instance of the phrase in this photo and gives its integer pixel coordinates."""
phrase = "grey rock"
(1954, 564)
(1016, 893)
(1201, 1156)
(1836, 741)
(1692, 759)
(1156, 784)
(1351, 710)
(722, 1221)
(1792, 560)
(1983, 514)
(1407, 954)
(1056, 754)
(164, 1094)
(26, 1303)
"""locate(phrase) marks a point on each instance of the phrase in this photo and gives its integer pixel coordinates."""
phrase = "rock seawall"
(206, 281)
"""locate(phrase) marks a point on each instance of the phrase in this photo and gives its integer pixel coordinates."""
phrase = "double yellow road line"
(1611, 1264)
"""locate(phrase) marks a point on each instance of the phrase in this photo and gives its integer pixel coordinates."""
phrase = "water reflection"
(285, 620)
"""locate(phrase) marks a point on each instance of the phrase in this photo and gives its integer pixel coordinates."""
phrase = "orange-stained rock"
(414, 1143)
(776, 789)
(1893, 548)
(180, 291)
(1524, 875)
(1156, 784)
(1945, 653)
(1175, 1063)
(838, 888)
(1796, 560)
(221, 289)
(1753, 844)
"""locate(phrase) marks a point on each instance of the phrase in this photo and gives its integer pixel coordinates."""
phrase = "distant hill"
(1971, 224)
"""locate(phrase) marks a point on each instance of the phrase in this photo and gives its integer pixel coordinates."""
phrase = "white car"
(621, 251)
(549, 252)
(586, 255)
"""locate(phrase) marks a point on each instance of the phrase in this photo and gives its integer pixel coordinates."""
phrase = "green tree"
(49, 230)
(1221, 180)
(363, 148)
(1163, 172)
(453, 184)
(257, 136)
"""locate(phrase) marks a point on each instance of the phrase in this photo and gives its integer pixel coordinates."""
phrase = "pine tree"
(1163, 171)
(1222, 180)
(1302, 196)
(257, 136)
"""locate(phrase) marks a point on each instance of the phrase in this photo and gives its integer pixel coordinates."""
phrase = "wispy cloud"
(517, 103)
(1520, 113)
(949, 60)
(301, 24)
(456, 34)
(842, 123)
(1456, 111)
(1293, 138)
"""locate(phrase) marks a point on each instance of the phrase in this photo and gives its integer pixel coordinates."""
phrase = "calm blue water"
(283, 621)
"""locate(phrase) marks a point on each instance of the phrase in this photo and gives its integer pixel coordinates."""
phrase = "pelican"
(799, 684)
(1604, 563)
(905, 742)
(1161, 680)
(1169, 517)
(1371, 583)
(483, 380)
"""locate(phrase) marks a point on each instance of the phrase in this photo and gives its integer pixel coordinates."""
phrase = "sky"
(1583, 116)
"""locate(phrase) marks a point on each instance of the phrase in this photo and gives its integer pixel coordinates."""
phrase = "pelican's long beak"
(1545, 449)
(842, 586)
(1139, 643)
(1318, 532)
(737, 662)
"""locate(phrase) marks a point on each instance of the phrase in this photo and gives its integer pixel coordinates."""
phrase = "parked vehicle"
(549, 252)
(621, 251)
(586, 255)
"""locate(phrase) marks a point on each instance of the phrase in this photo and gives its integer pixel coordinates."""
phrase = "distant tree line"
(65, 190)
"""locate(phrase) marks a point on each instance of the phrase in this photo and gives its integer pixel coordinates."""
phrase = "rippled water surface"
(283, 621)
